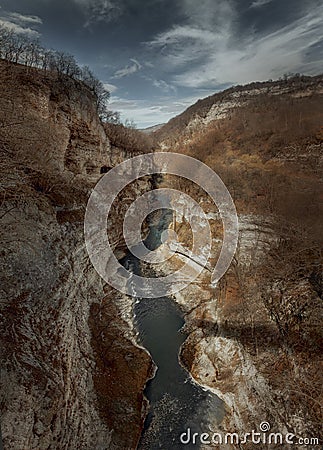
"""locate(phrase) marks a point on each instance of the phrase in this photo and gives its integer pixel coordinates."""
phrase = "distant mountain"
(152, 129)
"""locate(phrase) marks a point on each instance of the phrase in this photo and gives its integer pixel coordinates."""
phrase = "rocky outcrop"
(237, 350)
(255, 339)
(72, 375)
(223, 105)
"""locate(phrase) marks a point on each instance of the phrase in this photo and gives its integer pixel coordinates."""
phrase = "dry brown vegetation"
(175, 127)
(274, 309)
(269, 154)
(17, 48)
(128, 138)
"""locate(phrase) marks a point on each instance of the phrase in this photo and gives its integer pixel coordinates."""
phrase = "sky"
(157, 57)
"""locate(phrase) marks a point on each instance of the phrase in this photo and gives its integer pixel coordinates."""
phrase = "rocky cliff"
(72, 376)
(255, 340)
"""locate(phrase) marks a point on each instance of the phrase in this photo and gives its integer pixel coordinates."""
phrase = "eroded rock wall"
(72, 376)
(255, 340)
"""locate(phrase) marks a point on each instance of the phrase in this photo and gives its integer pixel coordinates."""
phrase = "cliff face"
(223, 105)
(255, 340)
(65, 383)
(72, 374)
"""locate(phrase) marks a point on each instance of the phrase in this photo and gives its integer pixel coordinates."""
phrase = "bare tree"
(22, 49)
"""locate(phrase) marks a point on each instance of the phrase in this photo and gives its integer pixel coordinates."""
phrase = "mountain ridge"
(202, 107)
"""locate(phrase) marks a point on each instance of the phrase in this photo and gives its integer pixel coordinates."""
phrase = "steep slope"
(256, 339)
(222, 105)
(72, 376)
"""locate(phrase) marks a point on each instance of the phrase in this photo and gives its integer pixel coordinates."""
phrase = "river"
(176, 402)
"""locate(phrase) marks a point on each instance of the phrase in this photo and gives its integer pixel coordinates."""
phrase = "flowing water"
(176, 403)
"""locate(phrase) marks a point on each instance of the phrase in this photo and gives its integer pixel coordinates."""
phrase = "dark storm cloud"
(265, 16)
(157, 56)
(204, 56)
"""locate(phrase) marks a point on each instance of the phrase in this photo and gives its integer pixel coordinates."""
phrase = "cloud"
(128, 70)
(22, 19)
(182, 32)
(161, 84)
(205, 58)
(101, 10)
(164, 86)
(19, 23)
(110, 87)
(180, 48)
(208, 14)
(208, 27)
(259, 3)
(18, 29)
(146, 113)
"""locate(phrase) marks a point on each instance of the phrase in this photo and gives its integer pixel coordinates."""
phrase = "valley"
(79, 358)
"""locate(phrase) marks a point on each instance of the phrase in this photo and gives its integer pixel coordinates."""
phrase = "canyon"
(73, 368)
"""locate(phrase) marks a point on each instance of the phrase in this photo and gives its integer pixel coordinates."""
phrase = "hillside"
(256, 341)
(223, 104)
